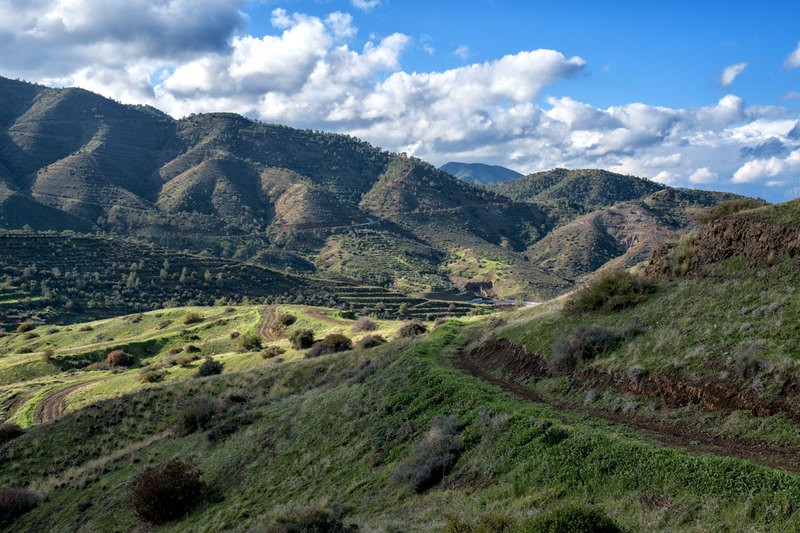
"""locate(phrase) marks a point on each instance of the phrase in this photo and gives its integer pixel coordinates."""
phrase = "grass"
(359, 416)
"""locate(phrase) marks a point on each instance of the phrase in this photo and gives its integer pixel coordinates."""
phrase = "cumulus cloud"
(793, 59)
(702, 175)
(187, 56)
(730, 73)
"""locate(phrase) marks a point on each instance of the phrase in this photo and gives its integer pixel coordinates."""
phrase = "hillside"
(224, 186)
(480, 173)
(396, 437)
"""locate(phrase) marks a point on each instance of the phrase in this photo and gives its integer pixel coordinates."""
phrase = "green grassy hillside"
(347, 438)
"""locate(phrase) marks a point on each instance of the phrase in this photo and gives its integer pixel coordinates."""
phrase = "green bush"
(150, 376)
(250, 342)
(209, 367)
(25, 326)
(571, 519)
(167, 492)
(9, 431)
(411, 329)
(15, 502)
(332, 343)
(729, 208)
(582, 344)
(272, 351)
(119, 358)
(301, 339)
(434, 456)
(192, 318)
(196, 414)
(286, 319)
(370, 341)
(609, 292)
(365, 323)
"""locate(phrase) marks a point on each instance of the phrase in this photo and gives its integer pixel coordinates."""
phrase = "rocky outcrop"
(757, 241)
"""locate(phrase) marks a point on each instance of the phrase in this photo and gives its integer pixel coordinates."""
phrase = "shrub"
(488, 523)
(584, 343)
(332, 343)
(411, 329)
(250, 342)
(729, 208)
(571, 519)
(209, 367)
(47, 355)
(164, 323)
(370, 341)
(166, 492)
(191, 348)
(86, 327)
(15, 502)
(196, 414)
(272, 351)
(286, 319)
(9, 431)
(25, 326)
(192, 318)
(347, 314)
(610, 292)
(680, 256)
(150, 376)
(30, 335)
(310, 520)
(365, 323)
(119, 358)
(301, 339)
(433, 457)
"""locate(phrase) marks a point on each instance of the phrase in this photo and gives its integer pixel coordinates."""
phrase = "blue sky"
(692, 94)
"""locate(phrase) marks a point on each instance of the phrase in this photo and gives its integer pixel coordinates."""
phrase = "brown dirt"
(510, 359)
(53, 406)
(269, 330)
(757, 242)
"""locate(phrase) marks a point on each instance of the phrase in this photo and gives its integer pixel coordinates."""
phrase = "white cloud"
(365, 5)
(702, 175)
(759, 169)
(187, 56)
(730, 73)
(462, 52)
(793, 59)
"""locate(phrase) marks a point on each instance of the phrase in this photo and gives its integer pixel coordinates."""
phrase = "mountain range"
(327, 204)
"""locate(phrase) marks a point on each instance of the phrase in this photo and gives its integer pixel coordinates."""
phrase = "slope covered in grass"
(345, 432)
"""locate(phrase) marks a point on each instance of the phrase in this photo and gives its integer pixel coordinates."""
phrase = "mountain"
(479, 173)
(331, 205)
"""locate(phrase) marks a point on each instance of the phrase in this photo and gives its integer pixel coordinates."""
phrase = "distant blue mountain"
(480, 173)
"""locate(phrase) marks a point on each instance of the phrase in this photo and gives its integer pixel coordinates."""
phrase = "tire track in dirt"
(267, 329)
(673, 436)
(55, 405)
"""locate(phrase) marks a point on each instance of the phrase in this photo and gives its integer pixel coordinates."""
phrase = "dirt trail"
(674, 436)
(53, 406)
(268, 331)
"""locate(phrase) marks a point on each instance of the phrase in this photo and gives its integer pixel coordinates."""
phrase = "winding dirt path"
(267, 330)
(674, 436)
(55, 405)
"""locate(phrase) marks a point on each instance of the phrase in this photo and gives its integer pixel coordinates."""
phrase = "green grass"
(333, 431)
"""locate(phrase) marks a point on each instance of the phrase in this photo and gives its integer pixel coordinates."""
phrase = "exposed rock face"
(756, 241)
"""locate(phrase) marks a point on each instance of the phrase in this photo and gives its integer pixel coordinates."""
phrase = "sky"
(690, 94)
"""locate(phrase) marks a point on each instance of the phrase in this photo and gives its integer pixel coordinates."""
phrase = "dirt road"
(55, 405)
(674, 436)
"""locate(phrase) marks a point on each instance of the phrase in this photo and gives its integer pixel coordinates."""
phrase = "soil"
(501, 355)
(270, 329)
(54, 406)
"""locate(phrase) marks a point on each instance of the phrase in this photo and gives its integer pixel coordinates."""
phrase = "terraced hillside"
(57, 277)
